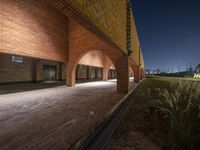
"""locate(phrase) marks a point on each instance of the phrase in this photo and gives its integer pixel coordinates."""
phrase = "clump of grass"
(180, 107)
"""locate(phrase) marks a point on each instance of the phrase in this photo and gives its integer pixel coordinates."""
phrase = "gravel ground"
(53, 118)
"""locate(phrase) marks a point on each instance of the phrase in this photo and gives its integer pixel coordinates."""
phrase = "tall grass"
(180, 106)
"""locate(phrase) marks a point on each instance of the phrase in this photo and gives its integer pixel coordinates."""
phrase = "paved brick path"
(53, 118)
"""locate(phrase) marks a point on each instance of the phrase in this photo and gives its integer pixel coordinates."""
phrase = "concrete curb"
(98, 136)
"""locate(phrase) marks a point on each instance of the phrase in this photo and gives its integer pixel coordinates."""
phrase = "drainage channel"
(98, 137)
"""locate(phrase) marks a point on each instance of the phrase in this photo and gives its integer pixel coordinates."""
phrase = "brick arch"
(135, 69)
(77, 59)
(109, 52)
(81, 41)
(131, 72)
(119, 63)
(108, 62)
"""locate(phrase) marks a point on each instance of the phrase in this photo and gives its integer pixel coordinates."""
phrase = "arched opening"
(131, 76)
(112, 75)
(131, 73)
(94, 66)
(102, 59)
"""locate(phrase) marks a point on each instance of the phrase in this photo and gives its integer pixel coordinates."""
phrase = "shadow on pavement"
(23, 87)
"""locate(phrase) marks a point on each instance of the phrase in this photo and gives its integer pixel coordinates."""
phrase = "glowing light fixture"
(197, 75)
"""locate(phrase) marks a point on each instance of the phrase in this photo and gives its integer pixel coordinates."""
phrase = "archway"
(131, 74)
(81, 41)
(135, 71)
(112, 73)
(94, 65)
(131, 77)
(120, 62)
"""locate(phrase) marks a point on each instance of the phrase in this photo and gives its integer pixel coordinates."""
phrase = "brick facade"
(37, 30)
(15, 72)
(33, 28)
(83, 41)
(23, 72)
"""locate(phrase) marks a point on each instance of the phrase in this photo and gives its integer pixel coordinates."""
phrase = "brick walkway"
(53, 118)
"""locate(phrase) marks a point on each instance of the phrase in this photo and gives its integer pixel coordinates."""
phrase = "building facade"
(42, 40)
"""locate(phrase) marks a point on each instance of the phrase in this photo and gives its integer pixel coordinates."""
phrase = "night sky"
(169, 32)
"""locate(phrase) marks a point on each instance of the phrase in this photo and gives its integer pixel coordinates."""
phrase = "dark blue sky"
(169, 32)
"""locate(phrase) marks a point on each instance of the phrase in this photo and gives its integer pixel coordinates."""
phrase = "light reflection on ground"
(53, 118)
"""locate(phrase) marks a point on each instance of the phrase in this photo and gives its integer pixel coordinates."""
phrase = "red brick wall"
(82, 41)
(15, 72)
(122, 74)
(33, 28)
(36, 29)
(136, 71)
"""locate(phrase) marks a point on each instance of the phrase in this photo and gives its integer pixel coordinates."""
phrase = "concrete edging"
(113, 115)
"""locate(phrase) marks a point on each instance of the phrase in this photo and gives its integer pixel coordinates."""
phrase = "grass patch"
(176, 103)
(173, 78)
(165, 115)
(179, 105)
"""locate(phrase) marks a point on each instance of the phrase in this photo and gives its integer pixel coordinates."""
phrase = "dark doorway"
(88, 73)
(49, 73)
(111, 74)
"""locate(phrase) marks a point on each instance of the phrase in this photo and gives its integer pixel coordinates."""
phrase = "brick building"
(69, 40)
